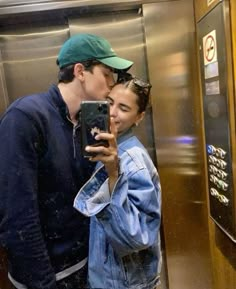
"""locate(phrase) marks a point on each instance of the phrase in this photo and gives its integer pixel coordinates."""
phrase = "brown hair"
(66, 74)
(137, 86)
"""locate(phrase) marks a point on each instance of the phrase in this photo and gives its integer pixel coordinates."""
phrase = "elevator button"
(222, 175)
(213, 179)
(212, 160)
(221, 164)
(223, 200)
(220, 153)
(224, 186)
(214, 192)
(213, 169)
(218, 184)
(211, 149)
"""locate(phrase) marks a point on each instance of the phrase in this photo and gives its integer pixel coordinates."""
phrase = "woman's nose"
(113, 112)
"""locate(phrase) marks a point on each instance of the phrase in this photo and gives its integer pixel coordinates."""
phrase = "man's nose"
(111, 81)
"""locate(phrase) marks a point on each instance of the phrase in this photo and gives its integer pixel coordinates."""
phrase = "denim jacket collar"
(124, 136)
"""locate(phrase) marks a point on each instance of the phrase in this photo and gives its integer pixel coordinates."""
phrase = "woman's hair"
(66, 74)
(137, 86)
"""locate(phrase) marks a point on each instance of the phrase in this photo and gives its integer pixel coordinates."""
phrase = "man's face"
(98, 83)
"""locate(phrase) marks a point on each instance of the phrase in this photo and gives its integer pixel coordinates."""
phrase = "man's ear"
(79, 71)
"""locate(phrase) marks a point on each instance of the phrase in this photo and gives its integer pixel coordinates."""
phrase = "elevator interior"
(159, 36)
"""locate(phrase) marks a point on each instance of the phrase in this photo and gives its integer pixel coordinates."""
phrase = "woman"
(125, 217)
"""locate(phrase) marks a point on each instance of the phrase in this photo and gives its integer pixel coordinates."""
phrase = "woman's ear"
(79, 71)
(139, 118)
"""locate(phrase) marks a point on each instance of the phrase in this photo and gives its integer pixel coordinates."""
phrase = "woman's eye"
(124, 109)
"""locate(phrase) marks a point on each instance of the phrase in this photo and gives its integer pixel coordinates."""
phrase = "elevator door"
(29, 45)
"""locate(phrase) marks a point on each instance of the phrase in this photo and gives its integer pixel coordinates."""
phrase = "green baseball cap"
(83, 47)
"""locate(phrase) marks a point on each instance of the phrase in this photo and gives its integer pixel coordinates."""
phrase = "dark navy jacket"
(41, 171)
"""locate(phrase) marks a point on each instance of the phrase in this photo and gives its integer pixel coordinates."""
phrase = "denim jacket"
(124, 230)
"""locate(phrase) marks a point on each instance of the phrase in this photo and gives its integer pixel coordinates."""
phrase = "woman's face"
(124, 108)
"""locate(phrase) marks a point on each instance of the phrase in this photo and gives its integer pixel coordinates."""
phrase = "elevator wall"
(223, 250)
(177, 129)
(162, 43)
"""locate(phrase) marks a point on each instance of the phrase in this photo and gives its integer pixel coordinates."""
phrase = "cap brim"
(117, 62)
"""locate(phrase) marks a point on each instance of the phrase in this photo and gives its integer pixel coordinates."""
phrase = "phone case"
(95, 118)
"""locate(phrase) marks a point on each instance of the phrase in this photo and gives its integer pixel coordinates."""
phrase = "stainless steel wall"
(166, 34)
(29, 57)
(170, 38)
(29, 47)
(22, 6)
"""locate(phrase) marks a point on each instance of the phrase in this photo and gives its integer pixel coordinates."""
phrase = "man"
(42, 169)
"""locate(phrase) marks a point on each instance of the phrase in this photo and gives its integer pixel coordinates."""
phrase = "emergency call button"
(211, 150)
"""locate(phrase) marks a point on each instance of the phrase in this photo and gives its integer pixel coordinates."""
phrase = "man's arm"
(20, 230)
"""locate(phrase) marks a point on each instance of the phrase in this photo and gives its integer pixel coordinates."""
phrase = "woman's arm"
(131, 216)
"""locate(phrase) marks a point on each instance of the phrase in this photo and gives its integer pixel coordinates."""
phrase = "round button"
(211, 149)
(220, 153)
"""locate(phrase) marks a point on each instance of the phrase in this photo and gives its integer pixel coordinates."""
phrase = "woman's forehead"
(124, 95)
(120, 89)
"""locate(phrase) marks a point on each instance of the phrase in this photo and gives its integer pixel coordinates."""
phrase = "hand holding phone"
(95, 118)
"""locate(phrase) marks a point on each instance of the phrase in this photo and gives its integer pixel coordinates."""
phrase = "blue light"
(209, 149)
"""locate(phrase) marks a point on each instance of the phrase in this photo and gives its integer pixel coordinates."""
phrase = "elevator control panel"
(213, 61)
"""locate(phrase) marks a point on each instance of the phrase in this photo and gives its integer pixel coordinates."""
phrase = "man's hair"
(66, 74)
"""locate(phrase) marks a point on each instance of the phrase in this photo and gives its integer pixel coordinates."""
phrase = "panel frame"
(223, 215)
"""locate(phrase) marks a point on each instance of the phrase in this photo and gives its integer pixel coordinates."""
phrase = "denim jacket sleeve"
(131, 215)
(20, 231)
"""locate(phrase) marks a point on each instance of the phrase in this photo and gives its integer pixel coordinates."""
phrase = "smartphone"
(95, 118)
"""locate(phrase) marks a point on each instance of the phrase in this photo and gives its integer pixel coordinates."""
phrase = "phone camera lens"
(100, 107)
